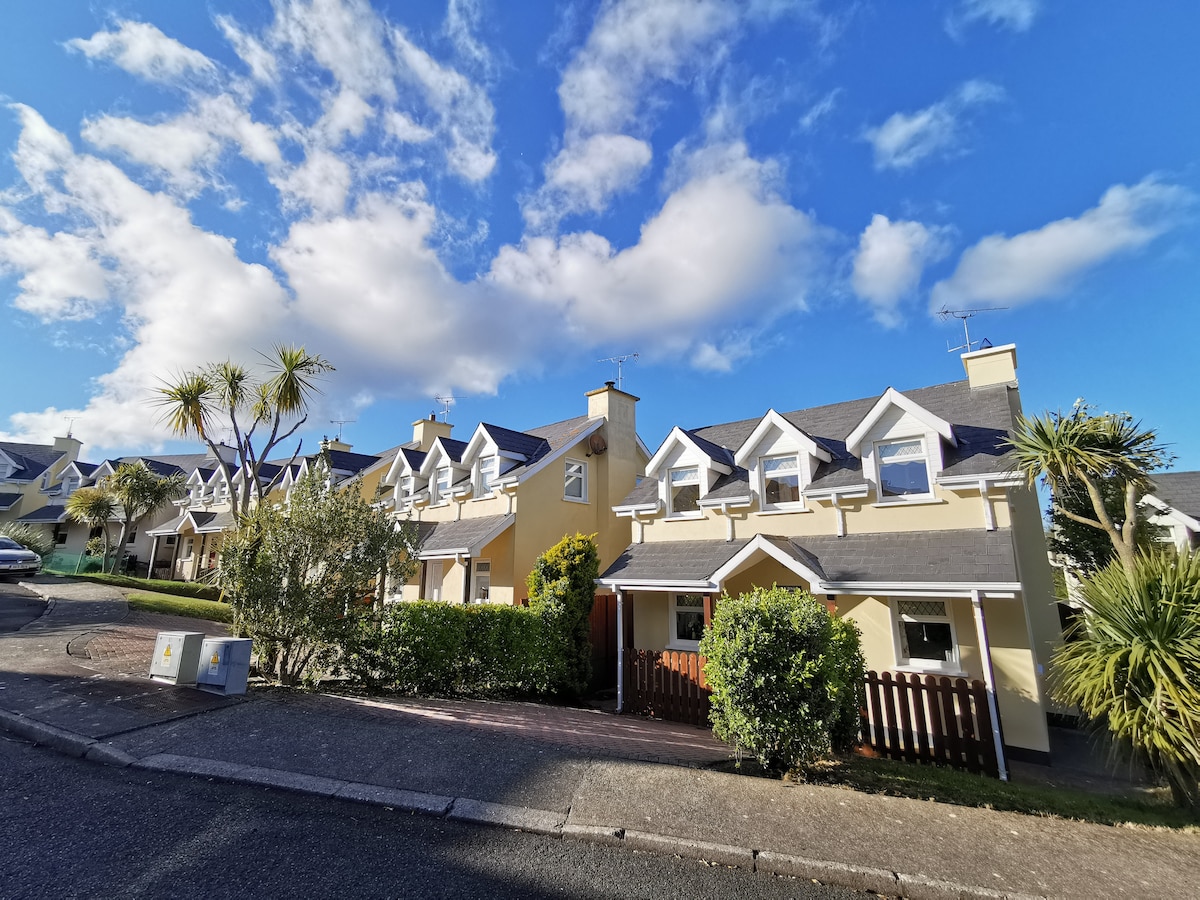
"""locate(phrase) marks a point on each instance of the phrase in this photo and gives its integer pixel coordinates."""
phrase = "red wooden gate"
(668, 684)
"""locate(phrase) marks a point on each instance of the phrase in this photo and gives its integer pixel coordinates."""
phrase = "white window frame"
(485, 481)
(438, 494)
(579, 474)
(908, 663)
(672, 513)
(787, 505)
(678, 643)
(475, 573)
(925, 457)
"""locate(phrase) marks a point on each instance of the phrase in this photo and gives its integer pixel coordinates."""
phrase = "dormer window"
(489, 470)
(441, 485)
(903, 469)
(780, 481)
(683, 491)
(408, 486)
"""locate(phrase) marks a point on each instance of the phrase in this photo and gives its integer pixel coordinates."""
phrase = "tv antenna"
(339, 423)
(70, 423)
(620, 361)
(446, 402)
(966, 314)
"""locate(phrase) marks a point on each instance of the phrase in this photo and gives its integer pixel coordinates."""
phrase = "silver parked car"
(16, 560)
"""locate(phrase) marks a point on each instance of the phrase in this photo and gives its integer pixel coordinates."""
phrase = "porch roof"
(51, 514)
(960, 557)
(8, 501)
(465, 537)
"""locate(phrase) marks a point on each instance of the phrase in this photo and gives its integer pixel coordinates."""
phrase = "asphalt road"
(74, 829)
(18, 607)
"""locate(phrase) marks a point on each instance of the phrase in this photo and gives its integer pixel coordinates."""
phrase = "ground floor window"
(687, 620)
(925, 636)
(481, 578)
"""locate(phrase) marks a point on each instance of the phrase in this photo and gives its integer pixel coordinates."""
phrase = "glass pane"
(774, 464)
(685, 476)
(921, 608)
(782, 489)
(685, 498)
(900, 450)
(574, 487)
(689, 626)
(899, 478)
(927, 640)
(691, 601)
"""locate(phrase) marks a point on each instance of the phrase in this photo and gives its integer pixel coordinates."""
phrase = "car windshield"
(9, 544)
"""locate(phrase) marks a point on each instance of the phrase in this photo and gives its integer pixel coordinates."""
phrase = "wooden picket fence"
(668, 684)
(934, 720)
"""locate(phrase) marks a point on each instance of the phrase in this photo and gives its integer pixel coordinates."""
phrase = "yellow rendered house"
(487, 507)
(898, 510)
(31, 479)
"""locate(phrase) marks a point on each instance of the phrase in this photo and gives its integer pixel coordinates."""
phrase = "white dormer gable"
(781, 460)
(8, 465)
(483, 444)
(891, 401)
(442, 472)
(901, 446)
(685, 472)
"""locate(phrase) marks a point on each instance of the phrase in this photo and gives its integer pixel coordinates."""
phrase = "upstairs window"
(408, 485)
(575, 481)
(780, 481)
(903, 469)
(489, 470)
(684, 491)
(441, 485)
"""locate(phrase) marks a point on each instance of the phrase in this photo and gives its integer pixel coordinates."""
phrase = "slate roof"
(54, 512)
(971, 556)
(414, 457)
(531, 446)
(31, 459)
(733, 486)
(980, 419)
(464, 535)
(644, 494)
(560, 434)
(719, 453)
(345, 461)
(454, 449)
(8, 501)
(1180, 490)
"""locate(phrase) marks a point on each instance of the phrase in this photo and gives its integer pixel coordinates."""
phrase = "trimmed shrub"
(562, 588)
(435, 648)
(784, 675)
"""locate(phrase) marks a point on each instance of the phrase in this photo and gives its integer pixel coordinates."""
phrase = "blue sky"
(767, 200)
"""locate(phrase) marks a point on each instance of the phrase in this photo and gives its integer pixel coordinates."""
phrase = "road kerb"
(919, 887)
(109, 756)
(66, 742)
(723, 854)
(595, 834)
(860, 878)
(538, 821)
(396, 798)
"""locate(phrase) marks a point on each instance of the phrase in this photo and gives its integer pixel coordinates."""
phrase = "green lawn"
(946, 785)
(178, 588)
(170, 605)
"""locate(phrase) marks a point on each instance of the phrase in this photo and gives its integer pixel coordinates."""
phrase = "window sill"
(928, 670)
(783, 511)
(582, 502)
(675, 517)
(916, 501)
(684, 646)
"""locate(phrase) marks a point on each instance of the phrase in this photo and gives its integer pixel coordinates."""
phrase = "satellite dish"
(597, 444)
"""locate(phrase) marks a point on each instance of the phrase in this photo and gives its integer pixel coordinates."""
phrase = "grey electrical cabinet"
(176, 655)
(224, 665)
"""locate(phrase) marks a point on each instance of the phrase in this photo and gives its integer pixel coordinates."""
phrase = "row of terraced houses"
(898, 510)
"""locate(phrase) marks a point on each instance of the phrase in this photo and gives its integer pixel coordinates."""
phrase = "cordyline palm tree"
(1083, 450)
(229, 394)
(93, 507)
(139, 492)
(1134, 664)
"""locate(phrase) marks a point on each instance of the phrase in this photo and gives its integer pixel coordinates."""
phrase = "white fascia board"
(760, 543)
(745, 453)
(892, 397)
(479, 439)
(1170, 512)
(437, 454)
(553, 455)
(994, 479)
(679, 437)
(851, 491)
(998, 589)
(642, 446)
(634, 508)
(706, 587)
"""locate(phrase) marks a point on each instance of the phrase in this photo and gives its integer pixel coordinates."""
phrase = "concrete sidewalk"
(574, 773)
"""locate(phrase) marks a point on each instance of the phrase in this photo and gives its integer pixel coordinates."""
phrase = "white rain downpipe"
(989, 514)
(989, 677)
(841, 514)
(620, 650)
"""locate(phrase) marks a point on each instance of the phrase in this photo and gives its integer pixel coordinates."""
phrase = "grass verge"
(946, 785)
(167, 604)
(178, 588)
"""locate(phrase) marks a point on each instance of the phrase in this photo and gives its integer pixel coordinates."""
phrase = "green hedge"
(434, 648)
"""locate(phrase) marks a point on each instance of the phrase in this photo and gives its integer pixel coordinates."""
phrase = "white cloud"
(404, 129)
(346, 37)
(905, 139)
(888, 264)
(1017, 15)
(322, 183)
(259, 60)
(723, 248)
(141, 49)
(1047, 261)
(464, 108)
(61, 277)
(820, 110)
(173, 148)
(586, 175)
